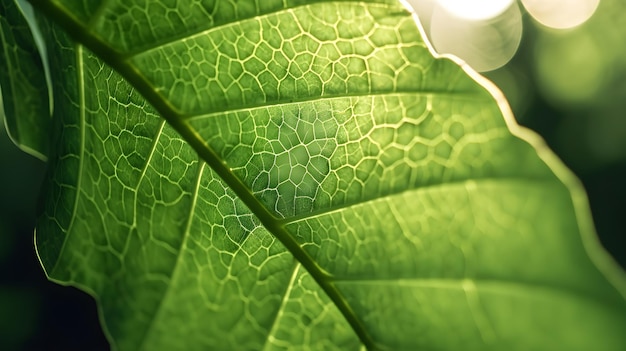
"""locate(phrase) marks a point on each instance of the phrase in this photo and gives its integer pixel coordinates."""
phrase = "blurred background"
(568, 85)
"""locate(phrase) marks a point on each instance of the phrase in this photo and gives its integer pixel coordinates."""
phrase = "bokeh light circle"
(485, 44)
(476, 10)
(561, 14)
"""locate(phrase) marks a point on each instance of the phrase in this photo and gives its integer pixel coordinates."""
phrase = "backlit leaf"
(323, 182)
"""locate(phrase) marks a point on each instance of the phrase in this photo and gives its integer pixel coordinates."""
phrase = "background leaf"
(455, 276)
(23, 82)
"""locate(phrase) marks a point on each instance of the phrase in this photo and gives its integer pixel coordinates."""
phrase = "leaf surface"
(323, 182)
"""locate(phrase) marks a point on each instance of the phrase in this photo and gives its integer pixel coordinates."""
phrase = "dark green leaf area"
(23, 82)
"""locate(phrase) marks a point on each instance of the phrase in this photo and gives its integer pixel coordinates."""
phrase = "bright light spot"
(485, 44)
(476, 10)
(561, 14)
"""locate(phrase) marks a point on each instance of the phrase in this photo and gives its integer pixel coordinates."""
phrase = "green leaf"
(23, 82)
(323, 182)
